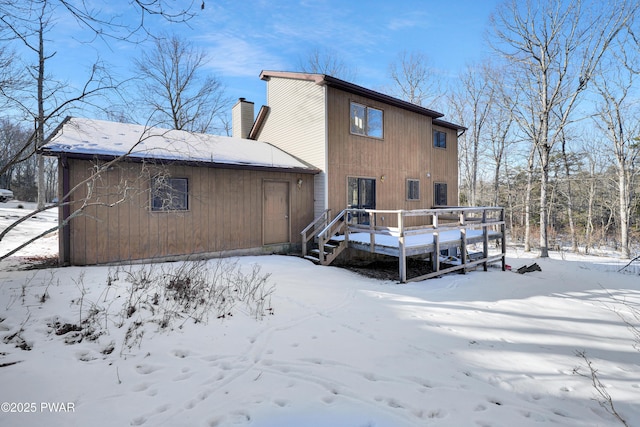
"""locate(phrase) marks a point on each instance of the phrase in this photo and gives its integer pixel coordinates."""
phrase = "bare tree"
(499, 126)
(617, 117)
(327, 61)
(177, 90)
(473, 104)
(45, 98)
(12, 77)
(414, 79)
(554, 48)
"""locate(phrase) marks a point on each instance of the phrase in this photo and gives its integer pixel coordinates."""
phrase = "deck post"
(463, 243)
(436, 244)
(436, 251)
(372, 232)
(304, 244)
(504, 240)
(402, 250)
(485, 239)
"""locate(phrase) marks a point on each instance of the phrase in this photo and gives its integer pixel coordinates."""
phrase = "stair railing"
(311, 230)
(337, 226)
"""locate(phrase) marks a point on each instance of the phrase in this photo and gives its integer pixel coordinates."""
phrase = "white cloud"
(233, 56)
(404, 22)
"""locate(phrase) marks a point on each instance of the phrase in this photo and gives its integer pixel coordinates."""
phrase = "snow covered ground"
(482, 349)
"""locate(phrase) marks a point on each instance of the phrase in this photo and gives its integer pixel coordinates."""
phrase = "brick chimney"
(242, 118)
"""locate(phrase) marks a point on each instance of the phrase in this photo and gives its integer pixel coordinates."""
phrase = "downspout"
(326, 147)
(458, 162)
(65, 241)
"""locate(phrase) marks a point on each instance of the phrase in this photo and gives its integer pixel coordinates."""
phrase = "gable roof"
(324, 79)
(89, 138)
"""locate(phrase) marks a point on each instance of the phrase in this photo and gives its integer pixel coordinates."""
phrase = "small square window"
(440, 194)
(439, 139)
(413, 189)
(169, 194)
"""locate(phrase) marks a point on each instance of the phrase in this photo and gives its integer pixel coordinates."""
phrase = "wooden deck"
(431, 231)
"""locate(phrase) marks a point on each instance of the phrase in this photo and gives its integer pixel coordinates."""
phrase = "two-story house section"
(374, 151)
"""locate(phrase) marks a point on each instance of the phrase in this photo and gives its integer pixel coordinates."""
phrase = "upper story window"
(169, 194)
(439, 139)
(366, 121)
(413, 189)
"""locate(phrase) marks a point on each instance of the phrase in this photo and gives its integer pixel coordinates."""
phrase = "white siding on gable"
(297, 124)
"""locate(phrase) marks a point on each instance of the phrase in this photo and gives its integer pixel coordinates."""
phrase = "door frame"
(284, 181)
(360, 219)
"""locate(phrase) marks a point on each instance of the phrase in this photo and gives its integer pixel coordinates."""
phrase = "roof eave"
(323, 79)
(446, 124)
(182, 162)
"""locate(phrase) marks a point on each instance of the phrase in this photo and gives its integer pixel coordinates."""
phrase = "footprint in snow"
(146, 369)
(184, 376)
(181, 354)
(140, 387)
(162, 408)
(370, 376)
(138, 421)
(328, 399)
(281, 402)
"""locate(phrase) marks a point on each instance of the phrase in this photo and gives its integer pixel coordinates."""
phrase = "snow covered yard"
(481, 349)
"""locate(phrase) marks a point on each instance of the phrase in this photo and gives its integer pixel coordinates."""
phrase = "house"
(373, 151)
(388, 169)
(138, 193)
(320, 145)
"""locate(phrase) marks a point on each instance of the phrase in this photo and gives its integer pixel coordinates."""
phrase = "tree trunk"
(544, 187)
(567, 171)
(527, 202)
(623, 194)
(40, 119)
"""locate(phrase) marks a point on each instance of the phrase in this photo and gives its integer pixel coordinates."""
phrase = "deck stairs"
(320, 241)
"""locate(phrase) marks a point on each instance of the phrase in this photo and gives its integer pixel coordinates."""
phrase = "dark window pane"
(413, 189)
(440, 194)
(439, 139)
(169, 194)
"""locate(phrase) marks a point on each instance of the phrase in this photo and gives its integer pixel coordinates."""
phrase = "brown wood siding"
(445, 165)
(405, 152)
(225, 212)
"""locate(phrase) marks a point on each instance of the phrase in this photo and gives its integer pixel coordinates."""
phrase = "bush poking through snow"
(167, 295)
(197, 290)
(170, 294)
(632, 320)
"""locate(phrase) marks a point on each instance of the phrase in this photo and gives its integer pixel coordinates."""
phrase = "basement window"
(169, 194)
(366, 121)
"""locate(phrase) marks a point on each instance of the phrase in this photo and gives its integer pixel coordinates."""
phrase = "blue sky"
(243, 37)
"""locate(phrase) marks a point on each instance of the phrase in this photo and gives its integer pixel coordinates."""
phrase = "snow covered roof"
(80, 137)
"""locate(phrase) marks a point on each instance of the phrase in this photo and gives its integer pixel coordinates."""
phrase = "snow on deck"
(414, 240)
(104, 138)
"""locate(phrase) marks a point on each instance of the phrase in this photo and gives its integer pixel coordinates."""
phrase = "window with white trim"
(366, 121)
(169, 194)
